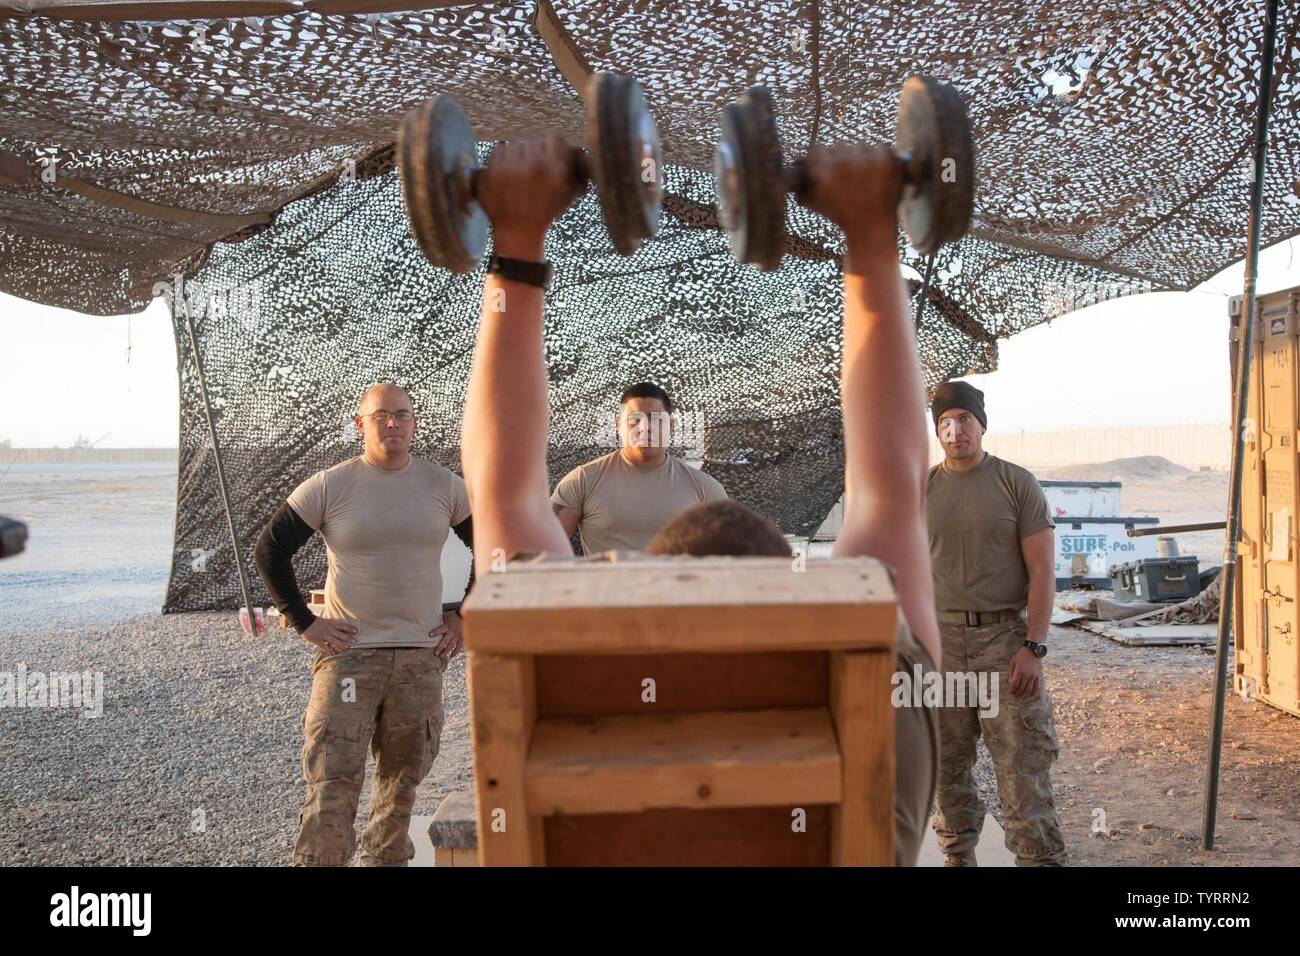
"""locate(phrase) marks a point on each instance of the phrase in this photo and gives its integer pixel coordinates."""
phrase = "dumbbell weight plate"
(625, 161)
(750, 179)
(933, 132)
(435, 149)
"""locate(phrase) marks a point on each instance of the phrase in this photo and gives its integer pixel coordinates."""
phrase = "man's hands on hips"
(858, 188)
(1025, 674)
(526, 186)
(450, 632)
(331, 635)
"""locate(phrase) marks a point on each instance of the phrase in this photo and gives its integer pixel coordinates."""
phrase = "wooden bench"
(452, 831)
(683, 711)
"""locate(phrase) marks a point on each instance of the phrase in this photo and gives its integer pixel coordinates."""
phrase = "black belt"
(978, 618)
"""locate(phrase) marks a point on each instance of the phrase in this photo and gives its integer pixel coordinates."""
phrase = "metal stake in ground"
(1264, 102)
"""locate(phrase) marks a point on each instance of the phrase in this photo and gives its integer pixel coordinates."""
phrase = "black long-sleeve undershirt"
(283, 535)
(464, 531)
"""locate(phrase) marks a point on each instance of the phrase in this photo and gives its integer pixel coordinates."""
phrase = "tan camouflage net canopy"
(238, 156)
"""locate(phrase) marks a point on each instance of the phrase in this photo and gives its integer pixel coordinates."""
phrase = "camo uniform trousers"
(387, 700)
(1021, 739)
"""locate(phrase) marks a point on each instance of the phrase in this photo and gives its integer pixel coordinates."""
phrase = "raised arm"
(886, 447)
(503, 450)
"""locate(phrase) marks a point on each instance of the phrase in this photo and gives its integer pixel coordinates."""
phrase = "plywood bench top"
(682, 605)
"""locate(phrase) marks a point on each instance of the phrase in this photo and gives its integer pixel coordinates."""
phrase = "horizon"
(1150, 360)
(991, 433)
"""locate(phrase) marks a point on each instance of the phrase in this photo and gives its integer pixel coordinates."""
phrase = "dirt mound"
(1141, 468)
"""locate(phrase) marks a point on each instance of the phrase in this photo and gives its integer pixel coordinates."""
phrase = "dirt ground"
(1134, 722)
(1134, 727)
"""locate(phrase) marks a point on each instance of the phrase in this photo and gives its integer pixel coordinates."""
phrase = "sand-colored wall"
(97, 456)
(1192, 446)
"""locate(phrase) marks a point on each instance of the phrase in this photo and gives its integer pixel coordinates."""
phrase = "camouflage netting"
(1113, 136)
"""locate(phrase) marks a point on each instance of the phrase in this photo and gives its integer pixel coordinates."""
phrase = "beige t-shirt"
(621, 505)
(976, 521)
(384, 532)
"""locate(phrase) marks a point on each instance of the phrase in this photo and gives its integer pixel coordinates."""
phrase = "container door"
(1278, 552)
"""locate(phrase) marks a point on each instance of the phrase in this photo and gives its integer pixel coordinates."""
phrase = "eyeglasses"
(381, 417)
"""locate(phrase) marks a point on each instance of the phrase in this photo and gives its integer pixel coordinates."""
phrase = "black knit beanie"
(958, 395)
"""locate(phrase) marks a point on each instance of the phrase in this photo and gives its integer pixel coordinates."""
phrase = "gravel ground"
(199, 726)
(195, 758)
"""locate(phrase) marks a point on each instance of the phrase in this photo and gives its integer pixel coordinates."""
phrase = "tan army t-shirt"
(976, 521)
(621, 505)
(384, 532)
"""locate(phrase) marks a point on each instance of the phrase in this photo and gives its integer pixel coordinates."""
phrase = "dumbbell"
(440, 172)
(932, 142)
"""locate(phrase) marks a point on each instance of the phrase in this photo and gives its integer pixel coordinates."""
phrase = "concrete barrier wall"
(97, 456)
(1192, 446)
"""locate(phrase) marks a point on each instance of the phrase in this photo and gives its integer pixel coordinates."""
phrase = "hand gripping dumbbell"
(932, 142)
(440, 172)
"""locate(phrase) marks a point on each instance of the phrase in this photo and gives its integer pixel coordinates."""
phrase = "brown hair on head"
(719, 527)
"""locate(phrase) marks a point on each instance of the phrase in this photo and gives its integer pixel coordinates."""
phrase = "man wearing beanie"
(991, 551)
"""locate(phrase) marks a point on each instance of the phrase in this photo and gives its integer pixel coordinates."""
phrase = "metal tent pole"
(1263, 105)
(221, 464)
(925, 290)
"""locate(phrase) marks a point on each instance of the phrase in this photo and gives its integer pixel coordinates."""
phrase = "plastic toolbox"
(1156, 579)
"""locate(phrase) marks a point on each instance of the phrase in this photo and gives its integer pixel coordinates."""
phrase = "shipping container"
(1268, 583)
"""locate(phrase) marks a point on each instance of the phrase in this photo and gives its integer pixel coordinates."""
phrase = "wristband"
(520, 270)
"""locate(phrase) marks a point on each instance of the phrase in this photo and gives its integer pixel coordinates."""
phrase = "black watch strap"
(1040, 650)
(521, 270)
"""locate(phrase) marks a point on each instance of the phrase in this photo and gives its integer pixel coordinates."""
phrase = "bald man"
(384, 638)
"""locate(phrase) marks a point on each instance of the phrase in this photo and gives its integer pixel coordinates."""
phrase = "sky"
(1155, 359)
(1158, 359)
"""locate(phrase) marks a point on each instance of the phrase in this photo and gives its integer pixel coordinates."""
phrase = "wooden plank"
(862, 825)
(682, 604)
(720, 759)
(444, 856)
(503, 711)
(733, 836)
(594, 685)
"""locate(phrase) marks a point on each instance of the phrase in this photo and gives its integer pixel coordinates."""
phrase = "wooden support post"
(503, 703)
(862, 825)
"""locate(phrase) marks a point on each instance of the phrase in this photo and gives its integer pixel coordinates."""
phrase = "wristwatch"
(521, 270)
(1040, 650)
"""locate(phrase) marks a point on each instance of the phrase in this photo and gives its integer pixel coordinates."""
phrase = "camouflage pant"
(1021, 738)
(916, 757)
(390, 701)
